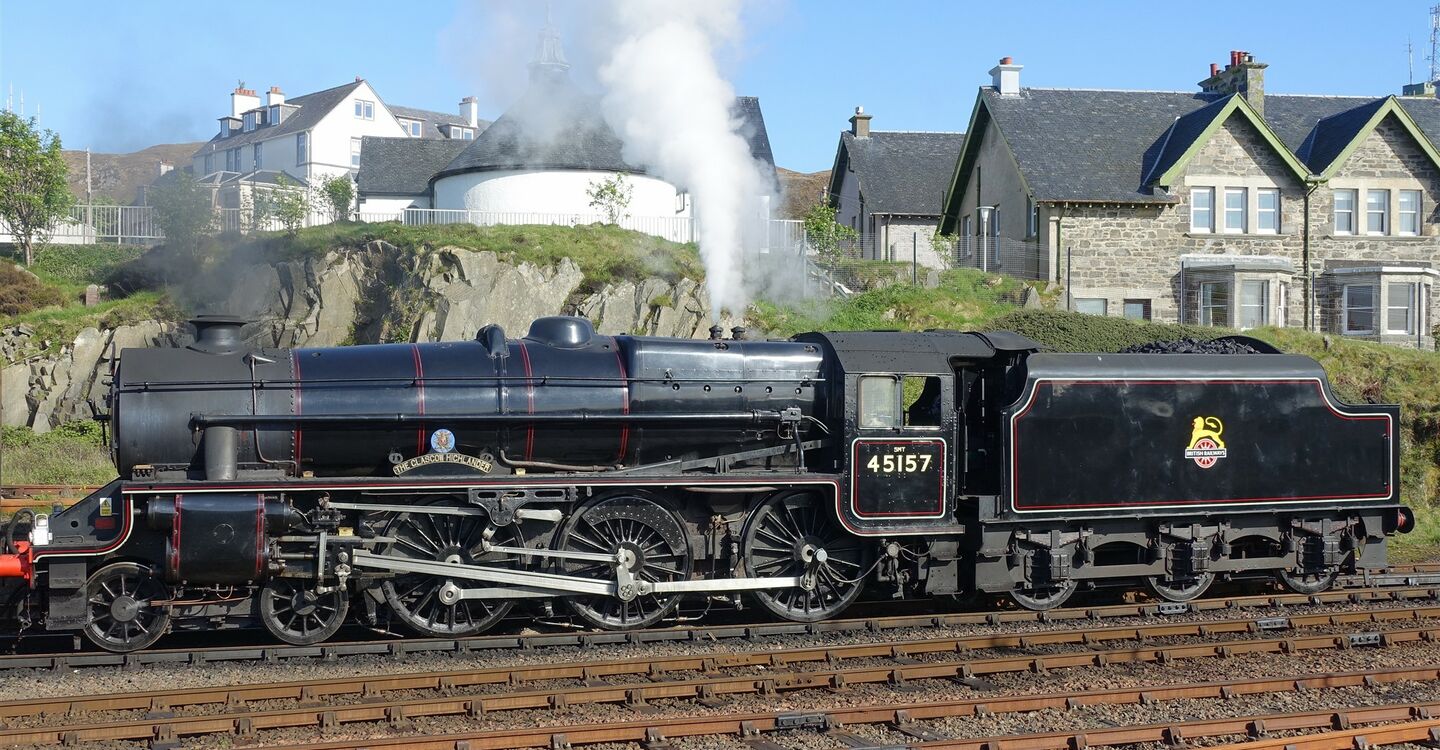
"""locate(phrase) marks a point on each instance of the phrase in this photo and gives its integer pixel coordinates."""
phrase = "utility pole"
(89, 199)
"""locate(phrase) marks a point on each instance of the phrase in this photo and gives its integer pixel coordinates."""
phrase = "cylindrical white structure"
(552, 191)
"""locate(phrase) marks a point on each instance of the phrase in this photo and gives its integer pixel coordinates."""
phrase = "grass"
(72, 453)
(73, 267)
(604, 253)
(56, 327)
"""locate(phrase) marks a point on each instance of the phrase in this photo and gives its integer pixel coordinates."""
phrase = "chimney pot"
(1214, 70)
(358, 79)
(1006, 77)
(860, 123)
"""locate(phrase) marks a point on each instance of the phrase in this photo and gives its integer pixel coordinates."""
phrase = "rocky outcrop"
(353, 296)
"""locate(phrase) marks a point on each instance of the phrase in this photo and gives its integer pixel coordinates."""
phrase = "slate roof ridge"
(1023, 89)
(917, 132)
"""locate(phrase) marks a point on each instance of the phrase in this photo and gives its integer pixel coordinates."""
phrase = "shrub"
(1077, 332)
(22, 292)
(72, 453)
(82, 264)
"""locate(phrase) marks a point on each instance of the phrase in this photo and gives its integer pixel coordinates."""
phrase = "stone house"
(887, 186)
(1225, 206)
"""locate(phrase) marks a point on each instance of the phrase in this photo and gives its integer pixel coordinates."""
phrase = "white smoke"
(666, 98)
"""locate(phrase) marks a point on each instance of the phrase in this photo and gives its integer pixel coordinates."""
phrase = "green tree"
(824, 234)
(339, 193)
(260, 207)
(611, 197)
(183, 210)
(291, 203)
(33, 193)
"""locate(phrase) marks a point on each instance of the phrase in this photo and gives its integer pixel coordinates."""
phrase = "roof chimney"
(470, 110)
(242, 100)
(1242, 76)
(860, 123)
(1005, 77)
(274, 96)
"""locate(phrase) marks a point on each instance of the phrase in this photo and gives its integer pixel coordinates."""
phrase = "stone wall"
(369, 295)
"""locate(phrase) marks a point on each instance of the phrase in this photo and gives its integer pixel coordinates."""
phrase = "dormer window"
(275, 115)
(465, 134)
(249, 121)
(415, 128)
(224, 128)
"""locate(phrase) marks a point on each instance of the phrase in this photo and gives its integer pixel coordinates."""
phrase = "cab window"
(879, 401)
(922, 401)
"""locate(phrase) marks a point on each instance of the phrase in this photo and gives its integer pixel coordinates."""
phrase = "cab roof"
(927, 351)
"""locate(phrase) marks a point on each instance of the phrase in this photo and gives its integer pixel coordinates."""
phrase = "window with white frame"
(1400, 308)
(1235, 210)
(355, 152)
(1254, 307)
(1215, 303)
(1032, 218)
(302, 148)
(1377, 211)
(1267, 211)
(415, 128)
(275, 115)
(1202, 210)
(1344, 211)
(1282, 299)
(1091, 305)
(249, 121)
(364, 109)
(1359, 308)
(1408, 220)
(258, 160)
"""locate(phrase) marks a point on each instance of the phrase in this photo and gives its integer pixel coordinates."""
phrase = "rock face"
(358, 296)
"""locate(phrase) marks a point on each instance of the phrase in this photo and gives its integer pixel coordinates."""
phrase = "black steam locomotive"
(439, 486)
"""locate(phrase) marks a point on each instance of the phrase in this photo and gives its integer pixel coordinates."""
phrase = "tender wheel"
(652, 541)
(122, 617)
(1041, 598)
(795, 535)
(1179, 589)
(294, 613)
(1302, 582)
(434, 605)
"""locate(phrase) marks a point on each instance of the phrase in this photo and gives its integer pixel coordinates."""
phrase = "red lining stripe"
(419, 399)
(259, 534)
(624, 406)
(297, 434)
(530, 402)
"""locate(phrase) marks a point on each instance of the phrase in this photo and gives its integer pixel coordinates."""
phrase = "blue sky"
(121, 76)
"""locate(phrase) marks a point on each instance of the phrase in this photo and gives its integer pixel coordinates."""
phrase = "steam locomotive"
(437, 487)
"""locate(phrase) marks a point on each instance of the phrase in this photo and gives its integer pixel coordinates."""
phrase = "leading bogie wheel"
(436, 605)
(123, 613)
(795, 535)
(293, 612)
(643, 532)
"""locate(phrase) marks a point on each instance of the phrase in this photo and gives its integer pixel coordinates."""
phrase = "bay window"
(1400, 306)
(1359, 308)
(1254, 307)
(1215, 303)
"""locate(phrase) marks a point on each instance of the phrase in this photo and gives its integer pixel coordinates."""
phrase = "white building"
(313, 137)
(537, 162)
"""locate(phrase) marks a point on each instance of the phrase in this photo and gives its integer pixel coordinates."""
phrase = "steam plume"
(665, 97)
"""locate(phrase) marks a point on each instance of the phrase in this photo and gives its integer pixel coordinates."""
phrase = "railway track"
(706, 678)
(404, 647)
(761, 730)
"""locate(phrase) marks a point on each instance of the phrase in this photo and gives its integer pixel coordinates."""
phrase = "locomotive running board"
(532, 580)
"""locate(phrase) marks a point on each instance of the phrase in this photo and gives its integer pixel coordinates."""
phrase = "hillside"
(801, 191)
(116, 177)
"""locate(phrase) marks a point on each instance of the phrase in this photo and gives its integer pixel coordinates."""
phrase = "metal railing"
(1022, 259)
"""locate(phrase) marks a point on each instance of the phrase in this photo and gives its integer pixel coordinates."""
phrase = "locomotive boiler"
(442, 488)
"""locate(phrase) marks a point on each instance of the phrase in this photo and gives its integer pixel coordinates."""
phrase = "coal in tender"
(1192, 346)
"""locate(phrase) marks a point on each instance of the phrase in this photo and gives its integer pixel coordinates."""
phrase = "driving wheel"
(795, 535)
(652, 546)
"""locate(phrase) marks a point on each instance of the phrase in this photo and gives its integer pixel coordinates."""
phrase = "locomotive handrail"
(201, 421)
(441, 379)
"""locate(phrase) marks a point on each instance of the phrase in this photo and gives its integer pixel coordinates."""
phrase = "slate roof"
(1102, 146)
(899, 172)
(433, 120)
(313, 107)
(556, 125)
(403, 166)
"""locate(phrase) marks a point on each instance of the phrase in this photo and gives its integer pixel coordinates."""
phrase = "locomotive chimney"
(738, 333)
(716, 332)
(216, 334)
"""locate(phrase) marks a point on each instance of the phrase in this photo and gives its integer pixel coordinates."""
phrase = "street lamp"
(985, 213)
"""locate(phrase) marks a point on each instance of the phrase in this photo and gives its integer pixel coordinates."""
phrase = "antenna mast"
(1434, 56)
